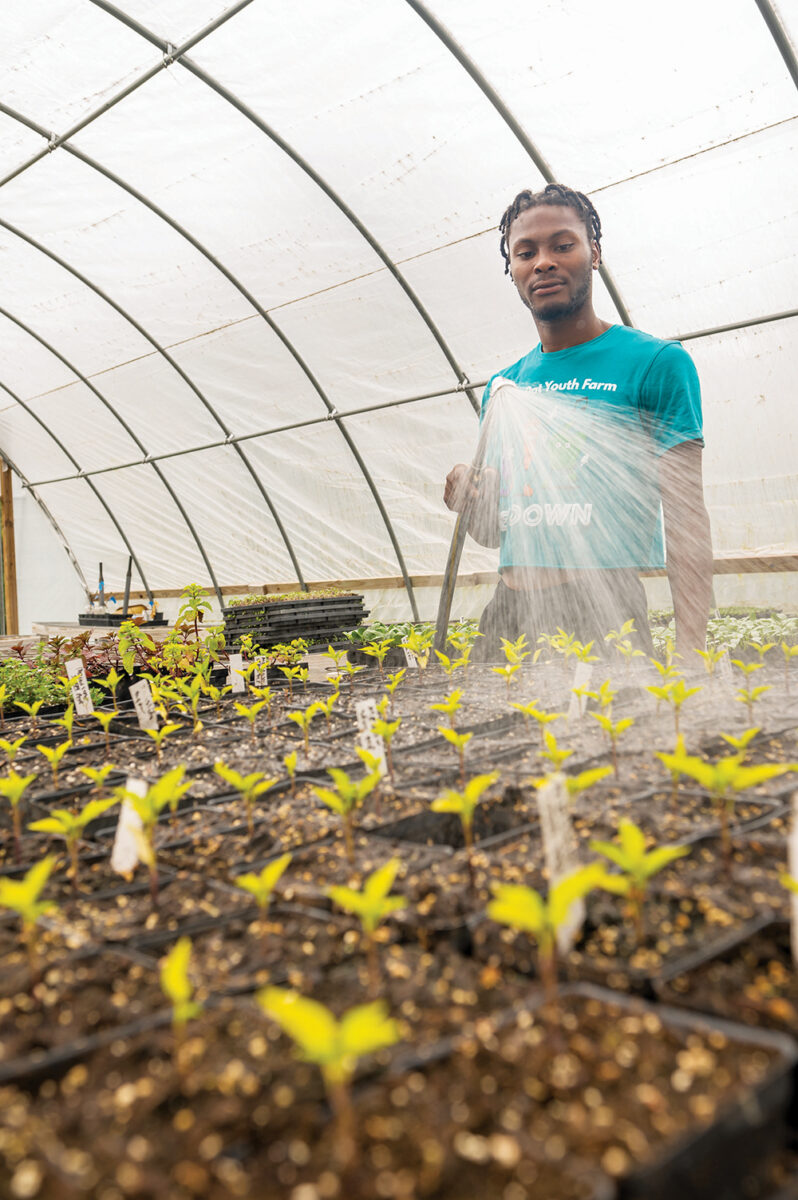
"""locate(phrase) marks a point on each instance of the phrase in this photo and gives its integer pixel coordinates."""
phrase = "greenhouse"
(399, 610)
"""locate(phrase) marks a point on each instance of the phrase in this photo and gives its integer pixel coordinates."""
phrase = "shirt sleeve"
(670, 401)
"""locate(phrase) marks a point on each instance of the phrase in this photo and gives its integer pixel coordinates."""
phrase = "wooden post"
(9, 551)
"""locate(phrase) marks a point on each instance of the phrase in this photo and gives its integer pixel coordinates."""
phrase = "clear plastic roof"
(251, 280)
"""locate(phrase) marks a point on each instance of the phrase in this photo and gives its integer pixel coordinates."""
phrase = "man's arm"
(475, 495)
(689, 545)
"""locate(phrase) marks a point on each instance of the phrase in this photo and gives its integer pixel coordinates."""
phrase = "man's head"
(551, 242)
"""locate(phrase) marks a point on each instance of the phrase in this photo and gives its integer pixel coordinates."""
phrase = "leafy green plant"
(674, 693)
(553, 752)
(11, 749)
(459, 741)
(524, 909)
(22, 896)
(291, 673)
(13, 787)
(393, 681)
(372, 904)
(749, 697)
(335, 1046)
(449, 706)
(110, 683)
(195, 604)
(178, 988)
(303, 720)
(464, 804)
(378, 651)
(712, 658)
(105, 719)
(250, 713)
(527, 710)
(349, 794)
(250, 787)
(261, 885)
(326, 706)
(507, 672)
(637, 866)
(69, 826)
(67, 721)
(98, 775)
(740, 744)
(32, 710)
(135, 647)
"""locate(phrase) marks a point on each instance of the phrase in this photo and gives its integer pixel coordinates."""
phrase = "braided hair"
(552, 193)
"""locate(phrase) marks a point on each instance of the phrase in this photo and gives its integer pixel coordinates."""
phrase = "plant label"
(366, 715)
(81, 696)
(125, 850)
(582, 677)
(410, 658)
(792, 864)
(260, 675)
(234, 678)
(141, 695)
(560, 850)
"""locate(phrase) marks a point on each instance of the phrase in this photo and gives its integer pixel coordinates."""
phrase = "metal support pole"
(9, 551)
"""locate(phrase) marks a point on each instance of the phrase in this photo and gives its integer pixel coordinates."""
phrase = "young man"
(551, 244)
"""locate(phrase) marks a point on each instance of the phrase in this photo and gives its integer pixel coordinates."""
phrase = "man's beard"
(557, 312)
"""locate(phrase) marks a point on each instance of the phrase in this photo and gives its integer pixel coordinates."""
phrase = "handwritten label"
(259, 675)
(560, 851)
(125, 850)
(792, 863)
(141, 695)
(582, 676)
(366, 715)
(234, 678)
(410, 658)
(81, 696)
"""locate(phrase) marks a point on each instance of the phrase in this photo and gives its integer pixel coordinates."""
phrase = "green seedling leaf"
(177, 986)
(372, 903)
(262, 885)
(22, 895)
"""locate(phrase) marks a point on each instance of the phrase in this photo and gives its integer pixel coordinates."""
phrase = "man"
(551, 244)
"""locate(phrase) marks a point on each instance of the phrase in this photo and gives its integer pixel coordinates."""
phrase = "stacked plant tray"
(321, 619)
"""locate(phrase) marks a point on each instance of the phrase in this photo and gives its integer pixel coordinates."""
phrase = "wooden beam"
(9, 550)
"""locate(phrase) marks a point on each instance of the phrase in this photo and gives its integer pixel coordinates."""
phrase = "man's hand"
(475, 494)
(461, 487)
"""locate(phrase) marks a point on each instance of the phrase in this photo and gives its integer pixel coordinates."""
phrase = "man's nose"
(544, 261)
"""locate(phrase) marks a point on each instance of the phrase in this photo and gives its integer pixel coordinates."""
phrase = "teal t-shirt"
(576, 444)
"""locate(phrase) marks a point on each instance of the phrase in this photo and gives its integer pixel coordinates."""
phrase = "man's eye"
(565, 246)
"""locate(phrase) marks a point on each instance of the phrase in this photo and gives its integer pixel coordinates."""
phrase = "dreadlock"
(553, 193)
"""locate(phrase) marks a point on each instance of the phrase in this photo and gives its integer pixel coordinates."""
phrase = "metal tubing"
(779, 36)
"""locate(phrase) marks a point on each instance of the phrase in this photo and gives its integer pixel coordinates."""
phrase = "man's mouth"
(543, 289)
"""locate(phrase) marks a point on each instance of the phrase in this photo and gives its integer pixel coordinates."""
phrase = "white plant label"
(582, 677)
(141, 695)
(410, 658)
(560, 850)
(366, 715)
(259, 675)
(81, 696)
(125, 850)
(792, 866)
(235, 679)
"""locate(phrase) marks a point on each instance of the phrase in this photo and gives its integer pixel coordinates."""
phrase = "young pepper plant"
(349, 794)
(178, 988)
(13, 787)
(261, 885)
(335, 1046)
(372, 904)
(54, 754)
(464, 804)
(459, 741)
(637, 865)
(250, 787)
(22, 897)
(69, 826)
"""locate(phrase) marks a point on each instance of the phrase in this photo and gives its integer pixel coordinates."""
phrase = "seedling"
(105, 719)
(33, 712)
(789, 652)
(336, 655)
(178, 988)
(724, 780)
(249, 786)
(747, 668)
(351, 672)
(159, 736)
(13, 787)
(335, 1046)
(192, 690)
(459, 741)
(349, 794)
(749, 697)
(543, 719)
(618, 635)
(291, 673)
(11, 749)
(576, 784)
(464, 804)
(290, 762)
(387, 731)
(613, 730)
(261, 886)
(553, 753)
(740, 744)
(527, 710)
(674, 693)
(22, 897)
(761, 648)
(448, 664)
(524, 909)
(215, 694)
(449, 706)
(111, 683)
(419, 643)
(326, 706)
(98, 775)
(515, 652)
(67, 721)
(393, 681)
(54, 754)
(507, 674)
(637, 865)
(712, 658)
(251, 714)
(378, 650)
(149, 807)
(303, 720)
(69, 826)
(372, 904)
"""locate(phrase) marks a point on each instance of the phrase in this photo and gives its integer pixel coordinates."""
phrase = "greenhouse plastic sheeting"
(223, 228)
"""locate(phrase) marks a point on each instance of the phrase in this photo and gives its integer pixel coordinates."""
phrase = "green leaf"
(633, 840)
(174, 972)
(519, 907)
(657, 859)
(310, 1024)
(380, 882)
(367, 1028)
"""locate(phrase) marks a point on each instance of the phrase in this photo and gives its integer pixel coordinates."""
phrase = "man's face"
(551, 261)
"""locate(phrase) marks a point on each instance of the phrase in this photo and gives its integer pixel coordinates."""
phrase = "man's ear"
(596, 251)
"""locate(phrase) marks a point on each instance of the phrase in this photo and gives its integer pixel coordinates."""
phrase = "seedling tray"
(116, 619)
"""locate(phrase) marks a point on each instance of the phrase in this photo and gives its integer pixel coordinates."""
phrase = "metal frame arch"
(80, 472)
(470, 67)
(779, 35)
